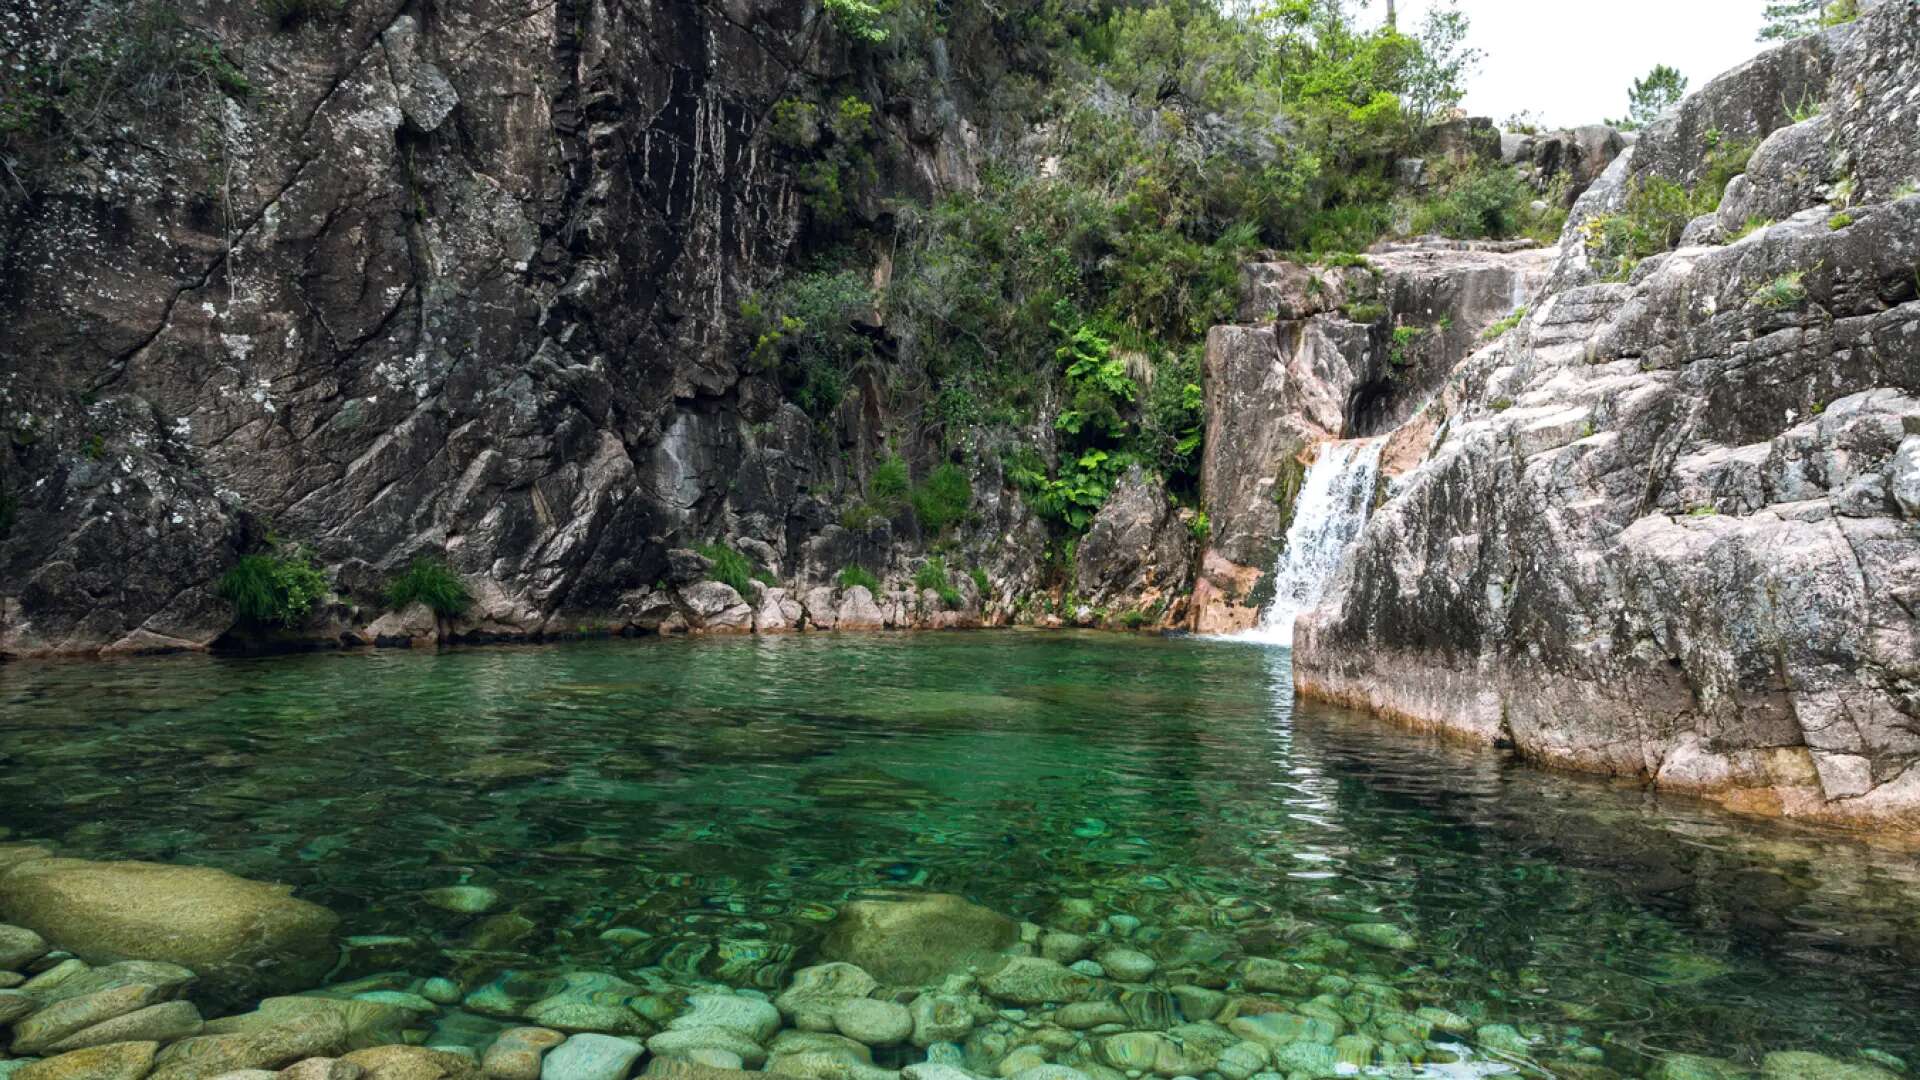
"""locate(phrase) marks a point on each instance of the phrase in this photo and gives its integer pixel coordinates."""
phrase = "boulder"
(412, 1063)
(858, 610)
(236, 934)
(914, 939)
(119, 1061)
(1033, 980)
(1138, 550)
(819, 990)
(18, 946)
(591, 1057)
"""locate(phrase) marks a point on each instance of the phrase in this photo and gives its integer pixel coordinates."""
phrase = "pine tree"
(1650, 98)
(1787, 19)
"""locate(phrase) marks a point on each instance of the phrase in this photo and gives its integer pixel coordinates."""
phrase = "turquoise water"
(715, 799)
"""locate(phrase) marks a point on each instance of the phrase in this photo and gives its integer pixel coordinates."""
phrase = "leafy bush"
(1405, 340)
(944, 499)
(933, 575)
(980, 582)
(859, 19)
(430, 582)
(807, 331)
(1365, 311)
(279, 588)
(1488, 201)
(859, 575)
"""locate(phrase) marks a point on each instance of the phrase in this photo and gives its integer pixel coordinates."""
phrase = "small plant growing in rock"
(1499, 329)
(1201, 527)
(944, 498)
(1502, 404)
(933, 575)
(1705, 510)
(859, 575)
(1753, 225)
(732, 569)
(1405, 338)
(980, 582)
(1782, 292)
(275, 588)
(431, 582)
(1839, 221)
(1365, 312)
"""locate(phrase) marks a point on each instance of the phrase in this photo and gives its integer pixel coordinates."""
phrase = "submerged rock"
(1033, 980)
(120, 1061)
(412, 1063)
(817, 991)
(233, 932)
(516, 1054)
(916, 938)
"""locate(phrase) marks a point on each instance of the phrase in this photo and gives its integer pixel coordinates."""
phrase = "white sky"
(1571, 61)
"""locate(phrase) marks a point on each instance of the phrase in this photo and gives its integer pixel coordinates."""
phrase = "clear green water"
(722, 795)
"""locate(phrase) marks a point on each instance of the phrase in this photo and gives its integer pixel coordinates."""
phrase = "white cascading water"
(1328, 515)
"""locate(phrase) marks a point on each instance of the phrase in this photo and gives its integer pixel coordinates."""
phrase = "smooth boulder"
(236, 934)
(914, 939)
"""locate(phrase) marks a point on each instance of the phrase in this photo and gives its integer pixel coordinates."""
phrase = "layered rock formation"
(1668, 528)
(1330, 353)
(385, 282)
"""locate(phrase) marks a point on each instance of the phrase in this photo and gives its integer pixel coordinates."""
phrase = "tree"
(1650, 98)
(1436, 80)
(1789, 19)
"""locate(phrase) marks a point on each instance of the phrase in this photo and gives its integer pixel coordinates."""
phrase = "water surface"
(720, 796)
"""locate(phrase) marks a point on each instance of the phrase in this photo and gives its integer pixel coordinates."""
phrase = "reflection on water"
(714, 800)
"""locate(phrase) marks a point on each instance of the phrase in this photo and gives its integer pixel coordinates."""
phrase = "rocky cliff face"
(1669, 526)
(1330, 353)
(385, 278)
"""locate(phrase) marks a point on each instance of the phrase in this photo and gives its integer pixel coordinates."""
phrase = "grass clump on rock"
(934, 576)
(431, 582)
(859, 575)
(730, 568)
(277, 588)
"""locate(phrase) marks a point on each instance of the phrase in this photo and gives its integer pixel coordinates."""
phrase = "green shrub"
(944, 499)
(1201, 527)
(861, 517)
(1657, 211)
(933, 575)
(859, 575)
(1489, 201)
(430, 582)
(1839, 221)
(1365, 311)
(279, 588)
(980, 583)
(1502, 404)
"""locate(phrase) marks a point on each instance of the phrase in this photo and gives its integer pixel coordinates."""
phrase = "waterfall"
(1327, 518)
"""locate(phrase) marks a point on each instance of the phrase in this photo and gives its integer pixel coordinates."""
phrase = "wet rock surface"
(1660, 533)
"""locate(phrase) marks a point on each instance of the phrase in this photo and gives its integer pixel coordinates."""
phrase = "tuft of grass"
(891, 486)
(278, 588)
(430, 582)
(980, 582)
(1839, 221)
(859, 575)
(1753, 225)
(1707, 510)
(730, 568)
(1405, 339)
(1365, 311)
(1343, 258)
(1785, 291)
(933, 575)
(1499, 330)
(1502, 404)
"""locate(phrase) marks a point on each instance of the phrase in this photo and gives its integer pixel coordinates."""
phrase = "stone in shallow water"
(914, 939)
(1082, 1015)
(873, 1022)
(441, 991)
(233, 932)
(463, 899)
(818, 990)
(315, 1034)
(56, 1022)
(1032, 980)
(119, 1061)
(684, 1042)
(591, 1057)
(316, 1069)
(1276, 976)
(14, 1005)
(1381, 936)
(940, 1018)
(366, 1023)
(1694, 1067)
(1242, 1060)
(516, 1054)
(169, 979)
(1800, 1065)
(1126, 965)
(19, 946)
(589, 1001)
(163, 1023)
(1278, 1029)
(412, 1063)
(751, 1017)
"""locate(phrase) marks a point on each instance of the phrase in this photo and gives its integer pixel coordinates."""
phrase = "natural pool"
(674, 811)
